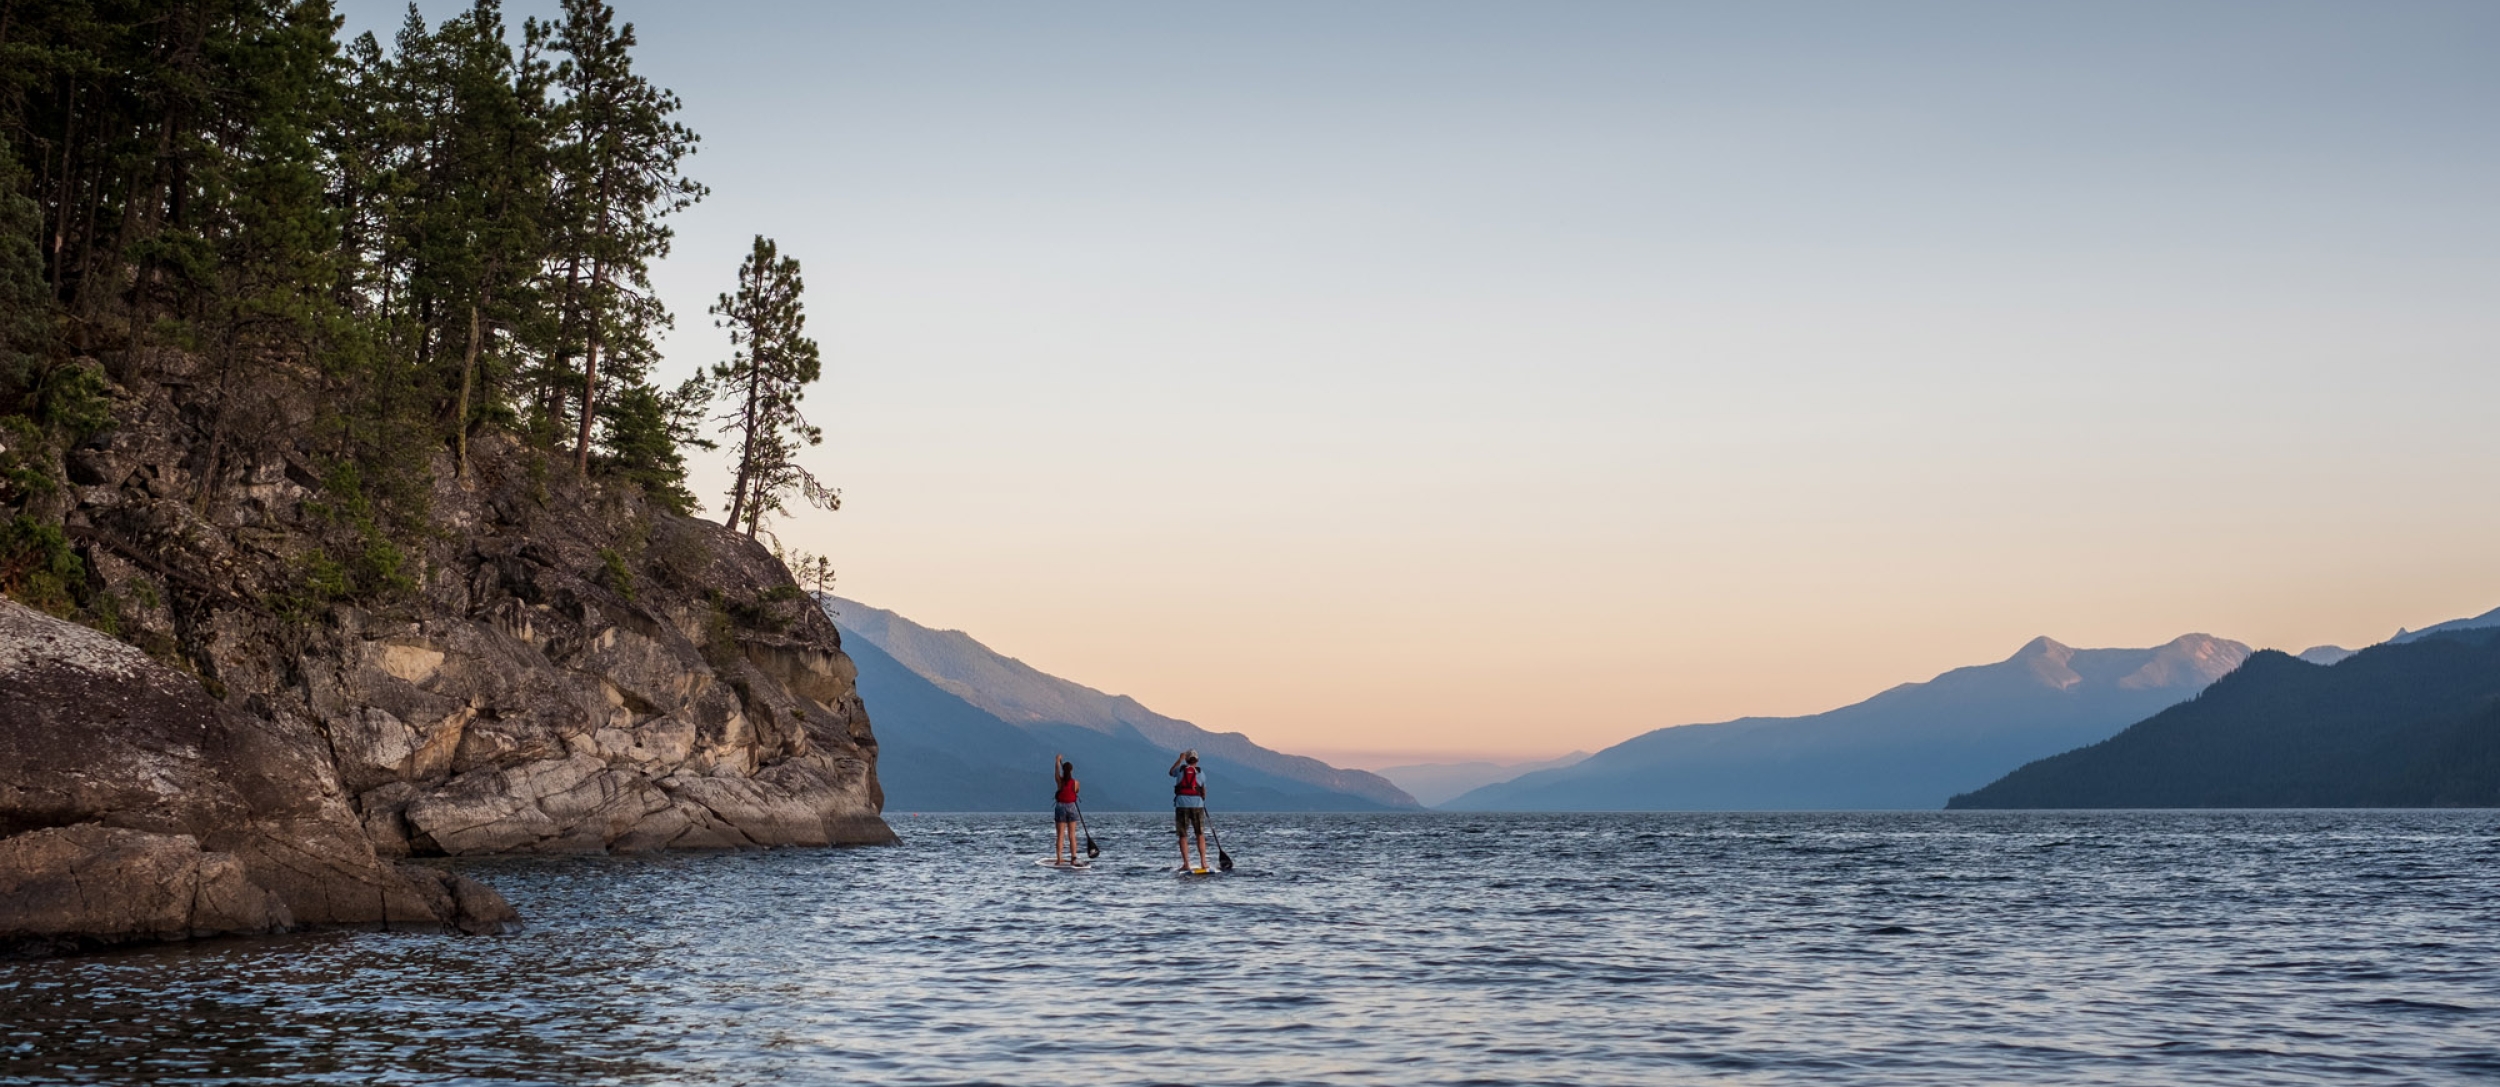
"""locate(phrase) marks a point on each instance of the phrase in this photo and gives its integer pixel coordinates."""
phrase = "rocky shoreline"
(138, 808)
(573, 671)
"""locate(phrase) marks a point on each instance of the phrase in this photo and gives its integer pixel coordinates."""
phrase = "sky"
(1399, 381)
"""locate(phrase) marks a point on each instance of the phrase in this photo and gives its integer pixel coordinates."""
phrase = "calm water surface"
(2133, 948)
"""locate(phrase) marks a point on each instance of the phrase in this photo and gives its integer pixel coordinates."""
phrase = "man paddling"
(1189, 807)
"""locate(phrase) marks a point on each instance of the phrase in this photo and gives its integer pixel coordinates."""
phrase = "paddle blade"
(1223, 859)
(1092, 850)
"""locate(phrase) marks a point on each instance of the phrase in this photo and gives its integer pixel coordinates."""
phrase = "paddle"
(1091, 850)
(1223, 860)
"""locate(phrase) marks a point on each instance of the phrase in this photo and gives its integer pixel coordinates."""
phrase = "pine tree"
(484, 187)
(246, 248)
(645, 432)
(767, 373)
(25, 306)
(619, 156)
(355, 251)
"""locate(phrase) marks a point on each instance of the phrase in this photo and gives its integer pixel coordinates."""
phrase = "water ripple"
(1914, 948)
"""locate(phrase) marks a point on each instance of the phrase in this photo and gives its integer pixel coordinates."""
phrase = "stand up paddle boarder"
(1063, 811)
(1189, 807)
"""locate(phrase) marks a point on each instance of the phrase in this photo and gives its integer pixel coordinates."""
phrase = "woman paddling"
(1063, 811)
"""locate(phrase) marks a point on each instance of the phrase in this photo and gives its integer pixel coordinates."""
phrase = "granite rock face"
(545, 703)
(575, 671)
(133, 806)
(556, 665)
(99, 883)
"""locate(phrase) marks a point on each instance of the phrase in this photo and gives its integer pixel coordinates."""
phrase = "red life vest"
(1189, 783)
(1067, 790)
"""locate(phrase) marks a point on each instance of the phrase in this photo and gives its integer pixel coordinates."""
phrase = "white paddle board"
(1048, 863)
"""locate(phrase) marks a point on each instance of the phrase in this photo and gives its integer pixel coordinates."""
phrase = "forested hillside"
(357, 251)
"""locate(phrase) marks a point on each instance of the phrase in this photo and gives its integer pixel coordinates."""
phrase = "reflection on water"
(2297, 947)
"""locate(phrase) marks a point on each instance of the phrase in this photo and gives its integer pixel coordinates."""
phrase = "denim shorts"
(1063, 813)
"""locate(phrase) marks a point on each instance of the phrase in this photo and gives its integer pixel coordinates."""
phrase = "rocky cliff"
(134, 806)
(552, 664)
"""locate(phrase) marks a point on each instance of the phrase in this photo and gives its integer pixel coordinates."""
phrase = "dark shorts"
(1185, 820)
(1063, 813)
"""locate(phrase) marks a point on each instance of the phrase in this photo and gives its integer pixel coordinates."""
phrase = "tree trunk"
(62, 201)
(551, 394)
(425, 339)
(143, 212)
(217, 429)
(468, 379)
(590, 370)
(746, 443)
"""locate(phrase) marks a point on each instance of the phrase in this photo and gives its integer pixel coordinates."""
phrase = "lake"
(1873, 948)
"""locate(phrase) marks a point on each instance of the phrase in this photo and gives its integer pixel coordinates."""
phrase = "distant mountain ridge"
(2487, 619)
(2413, 722)
(2324, 654)
(1436, 782)
(1913, 746)
(1060, 714)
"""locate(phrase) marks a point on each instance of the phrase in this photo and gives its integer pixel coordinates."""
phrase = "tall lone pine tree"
(768, 371)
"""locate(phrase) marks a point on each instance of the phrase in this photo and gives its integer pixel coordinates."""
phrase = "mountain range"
(965, 728)
(962, 727)
(1913, 746)
(2414, 722)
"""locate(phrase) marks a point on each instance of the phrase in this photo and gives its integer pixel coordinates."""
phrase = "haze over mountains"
(961, 727)
(1436, 782)
(1913, 746)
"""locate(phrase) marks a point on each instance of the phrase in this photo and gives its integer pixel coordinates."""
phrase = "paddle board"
(1048, 863)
